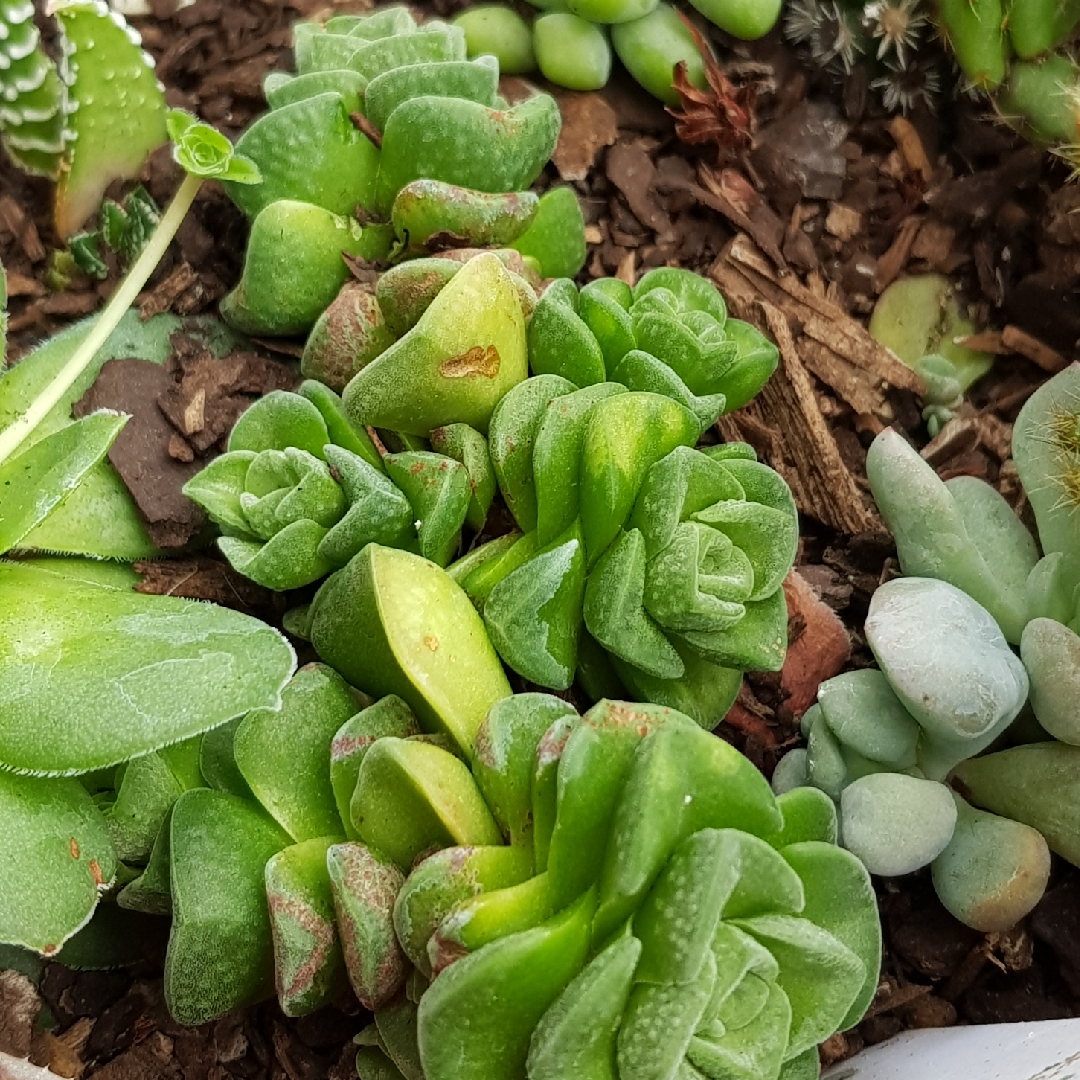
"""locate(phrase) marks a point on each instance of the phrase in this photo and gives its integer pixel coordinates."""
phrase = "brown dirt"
(803, 233)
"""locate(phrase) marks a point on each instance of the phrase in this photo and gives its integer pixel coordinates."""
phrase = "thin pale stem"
(12, 437)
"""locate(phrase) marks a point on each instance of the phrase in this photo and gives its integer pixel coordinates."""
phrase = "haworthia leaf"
(91, 676)
(116, 110)
(55, 857)
(35, 482)
(220, 949)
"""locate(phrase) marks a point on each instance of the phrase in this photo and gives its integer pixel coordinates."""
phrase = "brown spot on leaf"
(95, 873)
(431, 642)
(73, 847)
(477, 361)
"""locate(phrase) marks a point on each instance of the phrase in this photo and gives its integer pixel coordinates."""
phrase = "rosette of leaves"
(964, 532)
(881, 743)
(642, 558)
(379, 101)
(670, 334)
(87, 121)
(617, 891)
(301, 490)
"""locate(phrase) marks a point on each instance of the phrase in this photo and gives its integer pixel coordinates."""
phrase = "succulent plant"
(670, 558)
(919, 320)
(86, 122)
(301, 490)
(949, 685)
(570, 893)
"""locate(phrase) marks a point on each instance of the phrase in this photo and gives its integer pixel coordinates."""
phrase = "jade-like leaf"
(556, 238)
(115, 106)
(309, 969)
(675, 774)
(330, 163)
(626, 435)
(444, 880)
(147, 671)
(220, 950)
(467, 144)
(464, 354)
(467, 445)
(412, 797)
(489, 916)
(504, 757)
(556, 457)
(809, 814)
(1051, 654)
(432, 652)
(389, 716)
(659, 1022)
(504, 989)
(514, 427)
(284, 753)
(37, 480)
(472, 80)
(396, 1025)
(545, 785)
(54, 846)
(841, 900)
(143, 799)
(749, 1050)
(560, 341)
(678, 918)
(365, 885)
(438, 491)
(820, 975)
(994, 870)
(863, 713)
(896, 823)
(533, 616)
(151, 891)
(1034, 784)
(593, 768)
(576, 1036)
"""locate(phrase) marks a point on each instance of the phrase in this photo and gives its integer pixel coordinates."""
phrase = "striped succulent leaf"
(32, 97)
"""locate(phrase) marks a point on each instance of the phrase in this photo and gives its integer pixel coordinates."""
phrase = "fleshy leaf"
(220, 950)
(146, 671)
(57, 858)
(115, 107)
(38, 479)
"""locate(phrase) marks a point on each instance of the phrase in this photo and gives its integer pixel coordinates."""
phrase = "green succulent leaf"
(57, 857)
(203, 151)
(36, 481)
(147, 670)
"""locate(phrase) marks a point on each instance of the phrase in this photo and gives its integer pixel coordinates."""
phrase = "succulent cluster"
(388, 142)
(572, 43)
(949, 685)
(87, 120)
(632, 544)
(538, 893)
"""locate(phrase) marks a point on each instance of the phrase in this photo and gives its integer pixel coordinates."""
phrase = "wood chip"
(784, 423)
(162, 297)
(589, 123)
(911, 148)
(20, 285)
(1019, 341)
(843, 222)
(835, 347)
(22, 227)
(895, 258)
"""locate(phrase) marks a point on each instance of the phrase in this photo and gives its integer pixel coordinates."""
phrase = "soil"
(803, 203)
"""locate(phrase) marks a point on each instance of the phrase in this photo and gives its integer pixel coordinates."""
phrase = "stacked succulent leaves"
(949, 686)
(543, 894)
(86, 121)
(514, 889)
